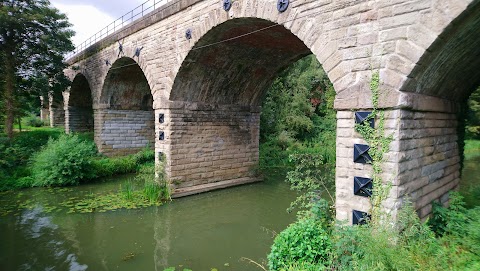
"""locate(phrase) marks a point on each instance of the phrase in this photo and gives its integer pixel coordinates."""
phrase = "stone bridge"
(188, 78)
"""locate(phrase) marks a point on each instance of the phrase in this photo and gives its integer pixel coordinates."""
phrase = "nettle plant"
(379, 144)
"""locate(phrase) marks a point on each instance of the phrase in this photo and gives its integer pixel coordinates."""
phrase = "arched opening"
(79, 113)
(216, 102)
(126, 118)
(433, 134)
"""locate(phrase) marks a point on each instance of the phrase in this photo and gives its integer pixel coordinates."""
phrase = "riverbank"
(47, 157)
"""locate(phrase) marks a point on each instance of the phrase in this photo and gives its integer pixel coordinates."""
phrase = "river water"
(212, 230)
(215, 230)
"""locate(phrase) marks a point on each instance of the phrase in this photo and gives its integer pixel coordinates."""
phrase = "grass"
(472, 148)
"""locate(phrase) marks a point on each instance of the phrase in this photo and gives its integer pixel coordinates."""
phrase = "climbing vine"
(379, 145)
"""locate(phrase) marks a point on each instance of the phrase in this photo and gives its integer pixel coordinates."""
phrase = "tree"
(33, 40)
(473, 115)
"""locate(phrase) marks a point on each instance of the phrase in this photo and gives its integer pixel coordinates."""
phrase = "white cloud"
(90, 16)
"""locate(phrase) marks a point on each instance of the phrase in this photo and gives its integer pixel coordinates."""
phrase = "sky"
(90, 16)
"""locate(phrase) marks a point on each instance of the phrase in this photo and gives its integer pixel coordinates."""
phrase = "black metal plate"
(360, 154)
(360, 218)
(282, 5)
(362, 186)
(361, 117)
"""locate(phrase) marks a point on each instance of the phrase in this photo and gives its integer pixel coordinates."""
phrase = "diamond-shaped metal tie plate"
(362, 186)
(161, 118)
(361, 117)
(161, 135)
(282, 5)
(360, 218)
(188, 34)
(360, 154)
(227, 4)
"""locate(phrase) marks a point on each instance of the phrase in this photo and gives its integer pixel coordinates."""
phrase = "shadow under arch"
(79, 113)
(450, 67)
(224, 69)
(125, 118)
(216, 98)
(433, 129)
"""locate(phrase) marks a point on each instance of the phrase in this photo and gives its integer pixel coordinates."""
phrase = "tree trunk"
(9, 94)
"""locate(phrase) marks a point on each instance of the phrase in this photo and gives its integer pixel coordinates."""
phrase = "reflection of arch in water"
(162, 236)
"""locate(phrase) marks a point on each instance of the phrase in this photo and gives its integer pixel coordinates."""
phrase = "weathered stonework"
(121, 132)
(56, 112)
(423, 164)
(209, 87)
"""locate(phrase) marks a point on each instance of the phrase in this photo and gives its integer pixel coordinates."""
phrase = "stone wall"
(423, 164)
(211, 146)
(120, 132)
(429, 160)
(79, 119)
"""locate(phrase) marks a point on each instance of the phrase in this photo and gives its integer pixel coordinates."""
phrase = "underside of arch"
(216, 98)
(235, 62)
(124, 121)
(450, 68)
(79, 113)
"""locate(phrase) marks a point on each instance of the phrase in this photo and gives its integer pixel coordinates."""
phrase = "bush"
(65, 161)
(34, 121)
(304, 241)
(110, 166)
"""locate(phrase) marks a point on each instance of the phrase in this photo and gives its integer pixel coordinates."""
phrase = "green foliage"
(305, 242)
(297, 128)
(458, 224)
(15, 153)
(301, 93)
(146, 189)
(110, 166)
(472, 149)
(33, 121)
(472, 128)
(33, 40)
(379, 145)
(312, 177)
(64, 161)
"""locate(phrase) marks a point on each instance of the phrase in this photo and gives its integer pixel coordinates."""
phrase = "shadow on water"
(211, 230)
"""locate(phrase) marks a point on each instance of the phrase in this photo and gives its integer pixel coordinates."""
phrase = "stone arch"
(79, 105)
(442, 77)
(450, 68)
(240, 70)
(124, 118)
(215, 99)
(125, 87)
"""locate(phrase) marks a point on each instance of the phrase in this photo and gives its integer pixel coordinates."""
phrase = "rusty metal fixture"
(282, 5)
(137, 52)
(120, 49)
(227, 4)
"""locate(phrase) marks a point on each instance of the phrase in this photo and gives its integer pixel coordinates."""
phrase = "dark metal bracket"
(362, 117)
(362, 186)
(282, 5)
(360, 154)
(161, 118)
(227, 4)
(360, 218)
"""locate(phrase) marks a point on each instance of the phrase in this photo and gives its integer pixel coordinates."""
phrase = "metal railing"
(119, 23)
